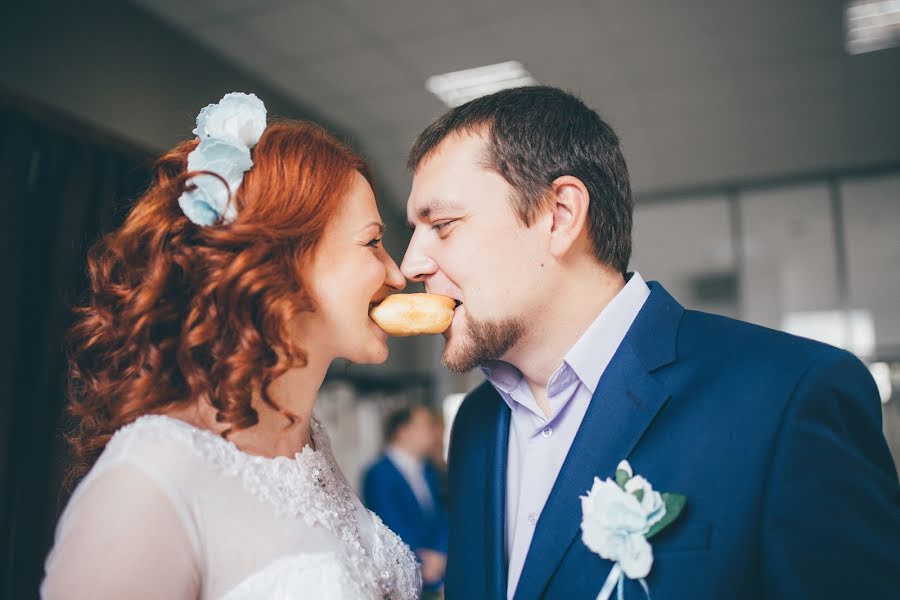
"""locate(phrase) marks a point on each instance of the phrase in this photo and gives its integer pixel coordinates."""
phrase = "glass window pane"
(872, 229)
(686, 245)
(789, 274)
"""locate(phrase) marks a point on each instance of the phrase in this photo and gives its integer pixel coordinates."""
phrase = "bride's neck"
(281, 431)
(286, 430)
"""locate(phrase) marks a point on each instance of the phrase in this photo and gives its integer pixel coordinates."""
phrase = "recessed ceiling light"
(459, 87)
(872, 25)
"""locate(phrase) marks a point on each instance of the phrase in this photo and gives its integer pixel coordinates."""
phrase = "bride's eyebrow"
(378, 224)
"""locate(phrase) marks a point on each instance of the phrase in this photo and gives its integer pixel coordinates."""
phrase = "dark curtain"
(61, 186)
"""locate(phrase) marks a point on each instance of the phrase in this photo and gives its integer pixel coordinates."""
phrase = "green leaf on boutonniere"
(639, 494)
(674, 505)
(622, 477)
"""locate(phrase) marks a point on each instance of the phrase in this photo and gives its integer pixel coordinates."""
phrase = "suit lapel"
(496, 505)
(625, 402)
(411, 499)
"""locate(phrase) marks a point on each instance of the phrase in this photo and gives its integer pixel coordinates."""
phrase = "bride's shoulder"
(155, 459)
(159, 439)
(137, 474)
(172, 452)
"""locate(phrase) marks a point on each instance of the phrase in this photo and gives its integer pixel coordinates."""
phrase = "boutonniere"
(618, 517)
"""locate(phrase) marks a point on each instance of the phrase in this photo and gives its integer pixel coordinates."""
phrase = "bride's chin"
(376, 356)
(376, 349)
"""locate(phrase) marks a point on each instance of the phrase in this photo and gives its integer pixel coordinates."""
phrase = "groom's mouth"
(447, 332)
(456, 309)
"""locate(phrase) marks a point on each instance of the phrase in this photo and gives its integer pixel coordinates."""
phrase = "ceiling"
(701, 92)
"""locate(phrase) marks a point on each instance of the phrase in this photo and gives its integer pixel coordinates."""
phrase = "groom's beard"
(484, 341)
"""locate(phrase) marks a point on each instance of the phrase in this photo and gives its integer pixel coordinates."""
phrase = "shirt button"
(532, 518)
(547, 432)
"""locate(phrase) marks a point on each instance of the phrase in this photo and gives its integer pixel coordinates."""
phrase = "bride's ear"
(569, 200)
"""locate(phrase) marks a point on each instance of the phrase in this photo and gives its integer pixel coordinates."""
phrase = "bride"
(249, 265)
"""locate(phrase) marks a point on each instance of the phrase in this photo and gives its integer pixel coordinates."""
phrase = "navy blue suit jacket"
(775, 440)
(387, 494)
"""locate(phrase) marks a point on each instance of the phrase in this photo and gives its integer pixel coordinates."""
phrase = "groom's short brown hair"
(536, 134)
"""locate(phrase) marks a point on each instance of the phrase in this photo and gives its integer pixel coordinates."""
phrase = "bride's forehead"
(358, 204)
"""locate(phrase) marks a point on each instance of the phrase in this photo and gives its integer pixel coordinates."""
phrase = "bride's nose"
(394, 278)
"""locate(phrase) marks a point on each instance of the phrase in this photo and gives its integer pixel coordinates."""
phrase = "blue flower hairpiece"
(227, 132)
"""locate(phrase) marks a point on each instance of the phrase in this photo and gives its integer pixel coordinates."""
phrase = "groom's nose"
(416, 265)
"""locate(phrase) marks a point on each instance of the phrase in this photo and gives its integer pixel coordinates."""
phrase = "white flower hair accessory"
(227, 131)
(618, 517)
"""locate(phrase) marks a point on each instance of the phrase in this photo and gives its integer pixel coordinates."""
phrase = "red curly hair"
(177, 312)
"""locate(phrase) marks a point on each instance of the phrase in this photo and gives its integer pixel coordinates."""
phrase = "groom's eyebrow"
(435, 205)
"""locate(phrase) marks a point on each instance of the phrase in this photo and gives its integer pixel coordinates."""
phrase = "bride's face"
(349, 273)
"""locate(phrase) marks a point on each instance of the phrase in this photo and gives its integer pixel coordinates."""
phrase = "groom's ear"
(569, 200)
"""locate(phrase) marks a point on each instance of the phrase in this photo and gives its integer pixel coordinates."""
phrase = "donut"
(402, 315)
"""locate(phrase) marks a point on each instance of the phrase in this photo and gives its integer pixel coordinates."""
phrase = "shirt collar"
(593, 351)
(404, 460)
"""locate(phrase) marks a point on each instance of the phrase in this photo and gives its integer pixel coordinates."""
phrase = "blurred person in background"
(403, 487)
(213, 314)
(438, 456)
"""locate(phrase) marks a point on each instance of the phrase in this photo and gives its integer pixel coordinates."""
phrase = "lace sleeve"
(121, 537)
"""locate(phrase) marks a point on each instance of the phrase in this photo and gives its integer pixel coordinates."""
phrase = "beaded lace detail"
(309, 486)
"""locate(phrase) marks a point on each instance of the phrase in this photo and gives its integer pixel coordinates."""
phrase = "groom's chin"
(457, 359)
(456, 366)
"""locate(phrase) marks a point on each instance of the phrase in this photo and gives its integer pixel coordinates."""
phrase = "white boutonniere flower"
(618, 517)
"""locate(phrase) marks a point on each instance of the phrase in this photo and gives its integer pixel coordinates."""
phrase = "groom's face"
(469, 244)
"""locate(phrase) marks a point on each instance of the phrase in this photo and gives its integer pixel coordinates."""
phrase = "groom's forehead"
(459, 149)
(444, 172)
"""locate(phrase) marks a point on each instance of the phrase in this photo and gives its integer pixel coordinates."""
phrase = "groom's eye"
(441, 227)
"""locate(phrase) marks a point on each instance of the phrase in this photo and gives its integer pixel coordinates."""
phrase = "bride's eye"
(374, 243)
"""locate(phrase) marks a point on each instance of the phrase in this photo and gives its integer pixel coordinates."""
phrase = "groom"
(521, 210)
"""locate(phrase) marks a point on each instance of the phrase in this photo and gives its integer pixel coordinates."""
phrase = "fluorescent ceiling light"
(872, 25)
(459, 87)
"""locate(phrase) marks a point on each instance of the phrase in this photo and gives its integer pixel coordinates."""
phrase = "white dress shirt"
(537, 445)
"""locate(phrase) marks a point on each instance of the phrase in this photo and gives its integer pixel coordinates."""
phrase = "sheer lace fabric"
(172, 511)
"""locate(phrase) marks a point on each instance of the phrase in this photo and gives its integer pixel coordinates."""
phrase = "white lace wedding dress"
(172, 511)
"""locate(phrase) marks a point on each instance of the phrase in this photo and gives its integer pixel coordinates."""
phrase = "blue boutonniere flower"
(227, 131)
